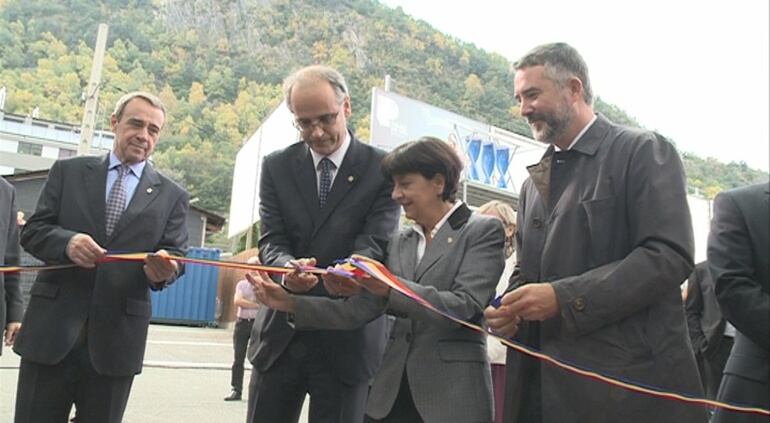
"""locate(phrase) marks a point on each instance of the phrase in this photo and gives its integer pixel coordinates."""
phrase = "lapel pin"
(149, 190)
(351, 178)
(449, 240)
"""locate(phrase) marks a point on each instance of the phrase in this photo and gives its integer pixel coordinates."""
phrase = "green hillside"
(218, 66)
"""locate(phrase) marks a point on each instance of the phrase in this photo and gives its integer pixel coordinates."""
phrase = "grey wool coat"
(607, 224)
(445, 363)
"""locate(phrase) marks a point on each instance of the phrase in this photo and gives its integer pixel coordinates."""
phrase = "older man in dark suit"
(604, 240)
(84, 331)
(739, 261)
(10, 292)
(321, 199)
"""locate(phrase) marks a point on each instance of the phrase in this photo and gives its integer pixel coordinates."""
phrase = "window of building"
(65, 152)
(30, 149)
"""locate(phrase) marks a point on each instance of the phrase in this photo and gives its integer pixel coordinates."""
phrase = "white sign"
(277, 132)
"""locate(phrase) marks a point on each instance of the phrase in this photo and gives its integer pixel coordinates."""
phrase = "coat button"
(537, 222)
(579, 304)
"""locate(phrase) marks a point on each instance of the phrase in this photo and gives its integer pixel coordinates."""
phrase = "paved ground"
(186, 375)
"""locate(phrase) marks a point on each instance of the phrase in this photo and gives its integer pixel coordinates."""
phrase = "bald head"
(311, 76)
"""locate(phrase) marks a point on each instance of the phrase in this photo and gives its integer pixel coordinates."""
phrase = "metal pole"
(92, 93)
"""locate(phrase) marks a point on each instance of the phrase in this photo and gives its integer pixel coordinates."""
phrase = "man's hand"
(340, 286)
(11, 330)
(159, 267)
(502, 321)
(533, 301)
(270, 293)
(84, 251)
(299, 281)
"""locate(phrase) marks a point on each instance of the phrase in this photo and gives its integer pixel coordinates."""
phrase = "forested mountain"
(218, 65)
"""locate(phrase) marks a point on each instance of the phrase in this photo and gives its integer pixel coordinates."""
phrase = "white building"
(30, 144)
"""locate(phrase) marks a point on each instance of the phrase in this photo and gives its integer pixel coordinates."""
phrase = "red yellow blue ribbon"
(378, 271)
(139, 257)
(357, 264)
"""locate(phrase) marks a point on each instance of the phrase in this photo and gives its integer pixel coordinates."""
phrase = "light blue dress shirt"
(131, 181)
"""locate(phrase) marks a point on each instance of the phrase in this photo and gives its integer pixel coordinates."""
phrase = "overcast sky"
(696, 71)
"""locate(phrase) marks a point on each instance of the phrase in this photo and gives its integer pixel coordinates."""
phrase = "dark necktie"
(325, 186)
(116, 201)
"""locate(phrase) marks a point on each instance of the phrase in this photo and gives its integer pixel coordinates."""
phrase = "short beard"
(556, 124)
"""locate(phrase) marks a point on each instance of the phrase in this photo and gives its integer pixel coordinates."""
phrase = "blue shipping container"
(191, 300)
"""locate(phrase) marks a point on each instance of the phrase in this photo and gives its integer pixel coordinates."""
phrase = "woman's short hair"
(427, 156)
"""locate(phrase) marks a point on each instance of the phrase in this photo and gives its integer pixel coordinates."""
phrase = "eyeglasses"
(324, 121)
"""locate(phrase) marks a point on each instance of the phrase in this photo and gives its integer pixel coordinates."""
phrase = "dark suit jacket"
(739, 260)
(607, 224)
(10, 292)
(358, 217)
(704, 318)
(114, 298)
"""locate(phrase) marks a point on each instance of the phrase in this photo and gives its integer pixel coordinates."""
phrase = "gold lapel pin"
(149, 190)
(351, 178)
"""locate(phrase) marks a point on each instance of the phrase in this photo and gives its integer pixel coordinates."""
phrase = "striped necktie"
(116, 201)
(325, 186)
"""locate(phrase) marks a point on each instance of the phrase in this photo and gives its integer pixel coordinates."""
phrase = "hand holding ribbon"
(269, 293)
(299, 281)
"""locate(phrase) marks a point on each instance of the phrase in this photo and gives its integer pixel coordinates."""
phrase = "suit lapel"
(347, 176)
(146, 192)
(541, 176)
(95, 183)
(445, 236)
(407, 253)
(306, 180)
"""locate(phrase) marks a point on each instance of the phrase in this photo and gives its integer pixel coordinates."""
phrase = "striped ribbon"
(378, 271)
(359, 265)
(139, 257)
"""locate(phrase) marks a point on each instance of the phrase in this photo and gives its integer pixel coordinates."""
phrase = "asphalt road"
(186, 376)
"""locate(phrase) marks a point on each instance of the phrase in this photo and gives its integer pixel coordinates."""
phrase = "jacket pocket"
(462, 351)
(600, 218)
(138, 308)
(43, 289)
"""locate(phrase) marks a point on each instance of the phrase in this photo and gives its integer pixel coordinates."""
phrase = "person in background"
(495, 349)
(739, 263)
(247, 304)
(711, 335)
(10, 291)
(603, 242)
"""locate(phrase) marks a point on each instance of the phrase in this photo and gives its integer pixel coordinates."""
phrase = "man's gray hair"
(316, 73)
(561, 62)
(121, 104)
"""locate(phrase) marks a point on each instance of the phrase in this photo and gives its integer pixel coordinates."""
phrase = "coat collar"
(594, 137)
(588, 144)
(443, 240)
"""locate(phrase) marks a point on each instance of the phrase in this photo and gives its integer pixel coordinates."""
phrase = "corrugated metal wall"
(192, 298)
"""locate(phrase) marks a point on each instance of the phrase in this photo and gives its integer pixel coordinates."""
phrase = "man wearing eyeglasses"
(321, 199)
